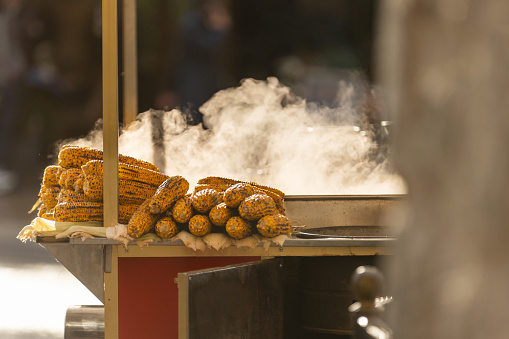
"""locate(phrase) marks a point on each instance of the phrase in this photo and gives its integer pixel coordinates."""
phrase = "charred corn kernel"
(68, 177)
(273, 225)
(182, 210)
(127, 172)
(77, 156)
(238, 228)
(220, 214)
(51, 175)
(78, 211)
(129, 192)
(166, 228)
(204, 200)
(142, 221)
(235, 194)
(256, 206)
(167, 193)
(200, 225)
(66, 195)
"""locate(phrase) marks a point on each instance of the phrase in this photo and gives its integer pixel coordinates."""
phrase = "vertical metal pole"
(130, 69)
(110, 110)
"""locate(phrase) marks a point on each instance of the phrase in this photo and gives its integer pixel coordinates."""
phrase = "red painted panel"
(148, 293)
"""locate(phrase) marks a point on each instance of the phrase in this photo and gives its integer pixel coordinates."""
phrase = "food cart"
(297, 288)
(302, 287)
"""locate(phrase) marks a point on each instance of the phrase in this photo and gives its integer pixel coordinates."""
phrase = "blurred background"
(50, 79)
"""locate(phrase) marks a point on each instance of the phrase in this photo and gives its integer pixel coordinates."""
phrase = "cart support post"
(110, 110)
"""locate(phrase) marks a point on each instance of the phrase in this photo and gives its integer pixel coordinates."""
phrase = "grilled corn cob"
(204, 200)
(71, 156)
(234, 195)
(166, 228)
(182, 210)
(273, 225)
(142, 221)
(218, 181)
(51, 175)
(127, 172)
(220, 214)
(256, 206)
(200, 225)
(128, 191)
(77, 156)
(238, 228)
(79, 211)
(167, 193)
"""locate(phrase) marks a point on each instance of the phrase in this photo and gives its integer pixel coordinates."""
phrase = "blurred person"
(198, 70)
(12, 67)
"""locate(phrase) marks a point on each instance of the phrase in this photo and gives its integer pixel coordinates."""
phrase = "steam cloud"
(259, 131)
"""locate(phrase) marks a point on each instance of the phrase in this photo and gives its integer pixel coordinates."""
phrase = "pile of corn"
(150, 201)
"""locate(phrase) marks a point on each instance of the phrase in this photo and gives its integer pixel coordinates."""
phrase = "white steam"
(260, 132)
